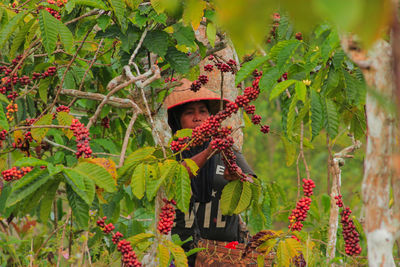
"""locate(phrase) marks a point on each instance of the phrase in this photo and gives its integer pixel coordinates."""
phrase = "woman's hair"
(174, 115)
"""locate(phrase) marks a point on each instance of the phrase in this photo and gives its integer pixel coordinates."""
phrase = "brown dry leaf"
(107, 164)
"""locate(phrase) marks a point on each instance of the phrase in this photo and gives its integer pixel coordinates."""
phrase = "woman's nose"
(196, 116)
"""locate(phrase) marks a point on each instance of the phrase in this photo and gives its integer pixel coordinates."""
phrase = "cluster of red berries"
(3, 136)
(299, 214)
(167, 217)
(339, 201)
(12, 95)
(299, 36)
(82, 139)
(170, 80)
(283, 77)
(232, 245)
(129, 258)
(105, 122)
(308, 186)
(350, 235)
(15, 173)
(276, 19)
(229, 66)
(196, 85)
(59, 3)
(63, 108)
(106, 228)
(11, 109)
(51, 71)
(179, 144)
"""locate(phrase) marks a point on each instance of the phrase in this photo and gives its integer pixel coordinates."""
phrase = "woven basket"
(216, 254)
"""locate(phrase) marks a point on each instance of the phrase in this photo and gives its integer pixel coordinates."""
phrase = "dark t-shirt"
(211, 223)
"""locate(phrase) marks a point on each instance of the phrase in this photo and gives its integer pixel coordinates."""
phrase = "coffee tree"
(85, 166)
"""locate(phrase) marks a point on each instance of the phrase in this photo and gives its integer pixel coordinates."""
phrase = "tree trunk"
(381, 224)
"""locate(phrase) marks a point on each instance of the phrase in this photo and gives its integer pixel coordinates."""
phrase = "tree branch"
(113, 101)
(90, 13)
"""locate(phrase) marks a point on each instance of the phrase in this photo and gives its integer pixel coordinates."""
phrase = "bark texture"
(381, 224)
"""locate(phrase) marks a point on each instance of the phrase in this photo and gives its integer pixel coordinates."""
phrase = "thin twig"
(60, 249)
(87, 70)
(131, 62)
(113, 101)
(58, 145)
(156, 76)
(116, 89)
(302, 150)
(127, 134)
(221, 103)
(90, 13)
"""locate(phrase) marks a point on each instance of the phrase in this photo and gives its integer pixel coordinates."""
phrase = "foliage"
(49, 213)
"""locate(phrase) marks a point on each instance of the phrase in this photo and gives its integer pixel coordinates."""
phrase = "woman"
(188, 109)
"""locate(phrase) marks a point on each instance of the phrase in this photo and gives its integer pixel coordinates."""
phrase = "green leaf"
(27, 185)
(178, 253)
(29, 161)
(48, 27)
(184, 35)
(184, 133)
(167, 169)
(43, 89)
(135, 158)
(183, 189)
(157, 42)
(358, 125)
(193, 12)
(269, 78)
(331, 122)
(47, 201)
(178, 60)
(286, 52)
(130, 37)
(79, 207)
(39, 133)
(20, 37)
(301, 91)
(163, 255)
(7, 30)
(77, 183)
(354, 89)
(138, 182)
(158, 5)
(4, 99)
(248, 68)
(290, 151)
(119, 9)
(66, 36)
(3, 120)
(137, 239)
(192, 166)
(282, 254)
(291, 116)
(230, 197)
(91, 3)
(302, 113)
(279, 88)
(211, 33)
(245, 198)
(97, 174)
(316, 113)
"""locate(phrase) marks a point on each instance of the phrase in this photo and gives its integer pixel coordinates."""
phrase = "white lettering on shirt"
(220, 169)
(189, 217)
(220, 222)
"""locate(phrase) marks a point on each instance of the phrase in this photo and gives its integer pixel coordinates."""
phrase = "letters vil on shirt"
(212, 224)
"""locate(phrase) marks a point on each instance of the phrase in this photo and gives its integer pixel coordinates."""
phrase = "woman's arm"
(200, 159)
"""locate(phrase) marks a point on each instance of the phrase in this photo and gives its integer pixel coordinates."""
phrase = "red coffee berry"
(339, 201)
(299, 214)
(15, 173)
(350, 234)
(179, 144)
(299, 36)
(195, 86)
(256, 119)
(251, 93)
(203, 79)
(105, 122)
(208, 67)
(265, 129)
(63, 108)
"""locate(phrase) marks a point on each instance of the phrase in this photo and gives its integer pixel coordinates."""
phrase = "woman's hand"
(232, 176)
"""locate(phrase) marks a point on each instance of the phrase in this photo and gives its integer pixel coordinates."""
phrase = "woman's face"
(194, 114)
